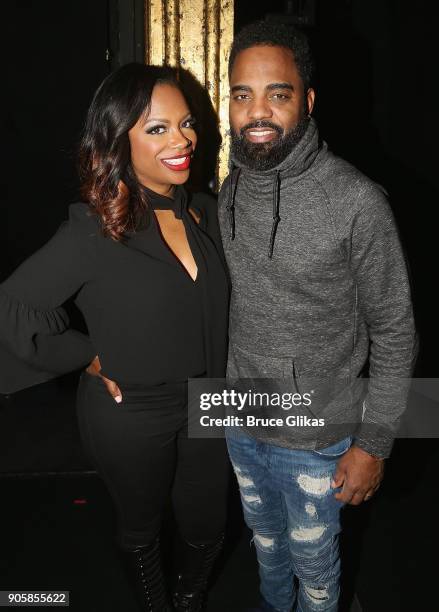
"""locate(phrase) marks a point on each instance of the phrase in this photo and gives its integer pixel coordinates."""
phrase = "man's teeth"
(176, 162)
(259, 133)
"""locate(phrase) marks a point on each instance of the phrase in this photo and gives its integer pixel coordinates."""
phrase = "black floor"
(56, 531)
(56, 534)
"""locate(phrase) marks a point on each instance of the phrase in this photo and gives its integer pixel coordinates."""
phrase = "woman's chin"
(180, 177)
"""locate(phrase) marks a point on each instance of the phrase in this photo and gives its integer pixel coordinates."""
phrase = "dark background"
(376, 103)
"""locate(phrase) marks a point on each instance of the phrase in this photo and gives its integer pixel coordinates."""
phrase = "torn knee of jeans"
(251, 499)
(243, 480)
(314, 485)
(310, 509)
(308, 534)
(263, 541)
(318, 595)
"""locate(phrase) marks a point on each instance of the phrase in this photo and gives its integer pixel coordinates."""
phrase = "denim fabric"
(290, 506)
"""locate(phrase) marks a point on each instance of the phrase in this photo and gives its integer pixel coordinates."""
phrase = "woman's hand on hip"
(94, 368)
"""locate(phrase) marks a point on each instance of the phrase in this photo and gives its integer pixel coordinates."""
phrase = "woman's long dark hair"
(108, 181)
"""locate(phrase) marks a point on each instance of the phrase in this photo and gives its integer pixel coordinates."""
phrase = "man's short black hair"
(276, 35)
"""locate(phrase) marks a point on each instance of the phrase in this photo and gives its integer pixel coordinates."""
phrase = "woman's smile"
(179, 163)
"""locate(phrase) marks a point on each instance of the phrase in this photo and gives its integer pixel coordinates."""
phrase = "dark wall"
(56, 58)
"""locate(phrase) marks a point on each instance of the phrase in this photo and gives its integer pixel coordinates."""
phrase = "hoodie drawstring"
(234, 178)
(276, 217)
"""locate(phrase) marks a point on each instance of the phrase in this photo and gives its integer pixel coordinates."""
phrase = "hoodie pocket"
(276, 379)
(246, 364)
(265, 373)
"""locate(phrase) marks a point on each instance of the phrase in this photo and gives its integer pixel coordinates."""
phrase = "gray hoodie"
(319, 286)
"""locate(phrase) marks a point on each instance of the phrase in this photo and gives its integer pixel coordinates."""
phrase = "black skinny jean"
(141, 450)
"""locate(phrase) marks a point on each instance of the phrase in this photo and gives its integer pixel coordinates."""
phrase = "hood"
(298, 161)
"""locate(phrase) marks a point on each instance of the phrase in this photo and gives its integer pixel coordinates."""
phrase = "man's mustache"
(261, 124)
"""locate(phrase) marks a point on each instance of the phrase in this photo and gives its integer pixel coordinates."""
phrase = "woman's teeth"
(176, 162)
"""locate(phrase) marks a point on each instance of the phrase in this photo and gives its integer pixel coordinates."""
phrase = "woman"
(144, 261)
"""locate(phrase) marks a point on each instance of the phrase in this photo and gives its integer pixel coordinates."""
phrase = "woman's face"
(162, 143)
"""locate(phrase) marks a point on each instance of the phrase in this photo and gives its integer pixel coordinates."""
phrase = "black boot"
(191, 591)
(147, 577)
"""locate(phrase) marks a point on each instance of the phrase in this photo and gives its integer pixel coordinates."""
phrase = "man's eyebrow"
(269, 87)
(280, 86)
(241, 88)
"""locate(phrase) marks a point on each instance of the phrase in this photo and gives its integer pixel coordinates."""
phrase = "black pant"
(141, 450)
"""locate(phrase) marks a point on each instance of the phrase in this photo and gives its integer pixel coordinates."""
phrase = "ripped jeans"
(295, 518)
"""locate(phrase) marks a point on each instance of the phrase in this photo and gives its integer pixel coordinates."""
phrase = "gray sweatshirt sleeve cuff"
(375, 441)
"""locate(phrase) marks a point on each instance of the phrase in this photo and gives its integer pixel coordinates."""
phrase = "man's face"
(268, 106)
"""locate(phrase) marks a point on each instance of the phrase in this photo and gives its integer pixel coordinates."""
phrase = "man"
(319, 287)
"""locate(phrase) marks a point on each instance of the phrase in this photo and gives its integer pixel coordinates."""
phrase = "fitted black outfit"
(153, 327)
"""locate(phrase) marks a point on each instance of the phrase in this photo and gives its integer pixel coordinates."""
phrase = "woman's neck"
(164, 190)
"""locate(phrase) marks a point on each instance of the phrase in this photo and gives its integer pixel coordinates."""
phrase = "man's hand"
(94, 369)
(360, 474)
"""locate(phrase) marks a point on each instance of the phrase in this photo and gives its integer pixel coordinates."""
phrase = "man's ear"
(310, 99)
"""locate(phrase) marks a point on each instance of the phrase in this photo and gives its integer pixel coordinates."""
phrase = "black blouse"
(148, 321)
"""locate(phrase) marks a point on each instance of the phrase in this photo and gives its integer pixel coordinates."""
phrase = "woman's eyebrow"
(149, 119)
(157, 119)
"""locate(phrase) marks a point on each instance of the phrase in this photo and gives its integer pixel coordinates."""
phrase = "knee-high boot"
(146, 574)
(198, 561)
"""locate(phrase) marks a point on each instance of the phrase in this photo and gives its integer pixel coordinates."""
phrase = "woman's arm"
(36, 343)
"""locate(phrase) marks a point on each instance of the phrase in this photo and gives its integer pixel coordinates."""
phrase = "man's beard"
(266, 155)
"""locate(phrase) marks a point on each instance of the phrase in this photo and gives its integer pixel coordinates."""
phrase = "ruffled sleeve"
(36, 343)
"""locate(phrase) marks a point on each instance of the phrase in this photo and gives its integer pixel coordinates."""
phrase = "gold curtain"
(195, 35)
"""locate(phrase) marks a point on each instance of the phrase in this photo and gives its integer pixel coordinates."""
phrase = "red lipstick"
(177, 163)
